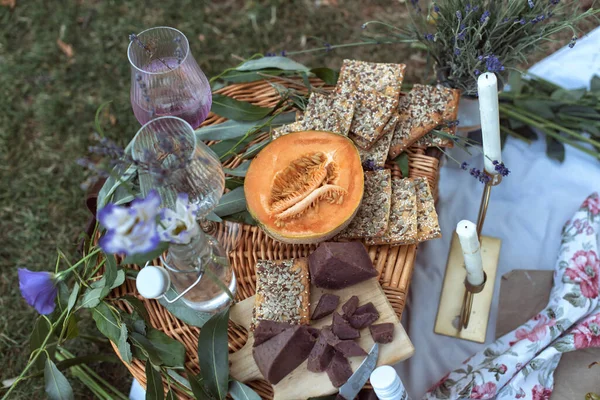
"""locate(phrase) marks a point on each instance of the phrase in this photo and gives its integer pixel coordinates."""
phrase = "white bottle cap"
(385, 381)
(152, 282)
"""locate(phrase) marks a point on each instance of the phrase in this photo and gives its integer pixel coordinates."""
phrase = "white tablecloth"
(527, 211)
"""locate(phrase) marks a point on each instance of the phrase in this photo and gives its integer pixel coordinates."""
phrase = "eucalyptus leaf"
(255, 149)
(197, 386)
(72, 328)
(515, 80)
(538, 107)
(231, 202)
(595, 84)
(171, 395)
(141, 259)
(182, 311)
(73, 296)
(40, 331)
(93, 296)
(278, 62)
(170, 351)
(327, 75)
(107, 322)
(179, 379)
(239, 391)
(56, 385)
(231, 108)
(235, 76)
(110, 270)
(118, 176)
(143, 349)
(211, 216)
(239, 171)
(555, 149)
(137, 305)
(568, 95)
(119, 280)
(232, 183)
(235, 129)
(213, 354)
(123, 346)
(243, 217)
(402, 162)
(230, 147)
(527, 132)
(154, 385)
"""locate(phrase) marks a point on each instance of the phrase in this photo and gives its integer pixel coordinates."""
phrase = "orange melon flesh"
(317, 224)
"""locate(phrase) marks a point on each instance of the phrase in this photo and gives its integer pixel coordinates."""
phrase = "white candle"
(467, 234)
(487, 87)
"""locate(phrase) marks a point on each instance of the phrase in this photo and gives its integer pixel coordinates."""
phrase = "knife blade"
(355, 383)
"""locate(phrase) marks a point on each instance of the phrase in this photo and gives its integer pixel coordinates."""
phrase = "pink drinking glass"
(165, 78)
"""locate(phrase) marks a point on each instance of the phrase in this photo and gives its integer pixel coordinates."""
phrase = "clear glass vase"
(200, 272)
(166, 79)
(171, 161)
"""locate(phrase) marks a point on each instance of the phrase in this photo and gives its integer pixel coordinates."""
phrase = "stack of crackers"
(368, 106)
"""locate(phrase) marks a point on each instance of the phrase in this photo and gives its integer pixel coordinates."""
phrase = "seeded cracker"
(402, 228)
(282, 291)
(288, 128)
(328, 113)
(372, 113)
(427, 219)
(372, 217)
(379, 152)
(384, 78)
(420, 112)
(449, 114)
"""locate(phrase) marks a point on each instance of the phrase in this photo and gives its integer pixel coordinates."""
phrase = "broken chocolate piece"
(265, 330)
(313, 331)
(349, 348)
(320, 356)
(339, 370)
(329, 336)
(350, 306)
(283, 353)
(327, 304)
(382, 333)
(339, 265)
(342, 329)
(363, 316)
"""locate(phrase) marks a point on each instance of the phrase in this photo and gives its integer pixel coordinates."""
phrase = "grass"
(48, 101)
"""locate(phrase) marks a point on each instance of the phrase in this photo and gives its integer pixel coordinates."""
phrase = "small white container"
(387, 384)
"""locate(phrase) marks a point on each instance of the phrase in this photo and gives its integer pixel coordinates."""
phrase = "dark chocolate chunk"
(350, 306)
(338, 265)
(313, 331)
(382, 333)
(265, 330)
(283, 353)
(364, 316)
(329, 336)
(326, 305)
(339, 370)
(320, 356)
(349, 348)
(342, 329)
(367, 394)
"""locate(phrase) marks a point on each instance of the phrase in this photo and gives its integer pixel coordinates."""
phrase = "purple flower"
(484, 17)
(458, 15)
(573, 41)
(462, 32)
(38, 289)
(457, 51)
(429, 37)
(493, 63)
(131, 230)
(283, 53)
(477, 72)
(554, 2)
(530, 2)
(415, 4)
(464, 165)
(500, 168)
(436, 8)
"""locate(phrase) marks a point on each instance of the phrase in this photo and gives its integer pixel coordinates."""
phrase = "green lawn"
(48, 101)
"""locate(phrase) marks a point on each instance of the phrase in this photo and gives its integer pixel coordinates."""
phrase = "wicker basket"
(249, 244)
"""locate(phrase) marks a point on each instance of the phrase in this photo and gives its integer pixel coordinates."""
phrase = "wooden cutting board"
(301, 383)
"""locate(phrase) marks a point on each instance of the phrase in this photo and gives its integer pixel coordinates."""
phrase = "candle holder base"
(453, 292)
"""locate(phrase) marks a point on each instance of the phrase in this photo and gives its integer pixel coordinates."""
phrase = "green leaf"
(539, 107)
(40, 331)
(327, 75)
(72, 329)
(117, 177)
(568, 95)
(160, 348)
(278, 62)
(107, 323)
(110, 270)
(239, 391)
(182, 311)
(515, 80)
(198, 387)
(235, 129)
(93, 296)
(119, 280)
(73, 296)
(237, 110)
(255, 149)
(232, 183)
(154, 388)
(171, 395)
(243, 217)
(213, 354)
(595, 84)
(213, 217)
(56, 385)
(123, 346)
(231, 202)
(555, 149)
(251, 76)
(141, 259)
(402, 162)
(137, 306)
(239, 171)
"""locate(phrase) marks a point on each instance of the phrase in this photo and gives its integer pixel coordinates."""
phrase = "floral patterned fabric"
(521, 364)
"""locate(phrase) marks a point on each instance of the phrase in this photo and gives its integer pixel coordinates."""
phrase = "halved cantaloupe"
(305, 187)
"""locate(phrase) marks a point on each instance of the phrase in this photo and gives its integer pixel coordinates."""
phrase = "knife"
(350, 389)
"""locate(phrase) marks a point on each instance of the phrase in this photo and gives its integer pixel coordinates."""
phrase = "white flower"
(131, 230)
(179, 225)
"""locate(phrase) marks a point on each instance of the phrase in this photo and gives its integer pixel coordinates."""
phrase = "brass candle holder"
(464, 308)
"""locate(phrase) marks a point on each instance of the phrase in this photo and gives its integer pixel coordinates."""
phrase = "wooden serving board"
(301, 383)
